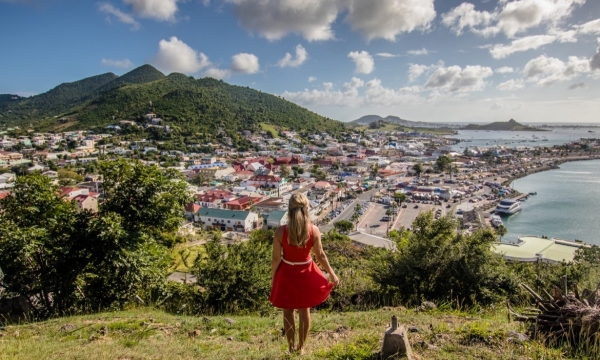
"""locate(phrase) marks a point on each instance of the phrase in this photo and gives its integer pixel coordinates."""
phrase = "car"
(404, 206)
(375, 225)
(448, 206)
(459, 212)
(385, 218)
(416, 207)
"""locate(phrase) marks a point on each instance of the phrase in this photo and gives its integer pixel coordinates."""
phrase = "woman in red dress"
(298, 284)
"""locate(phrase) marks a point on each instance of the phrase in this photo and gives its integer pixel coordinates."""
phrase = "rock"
(229, 338)
(194, 333)
(432, 347)
(428, 305)
(413, 329)
(68, 327)
(103, 330)
(212, 331)
(341, 329)
(229, 321)
(93, 337)
(395, 343)
(516, 337)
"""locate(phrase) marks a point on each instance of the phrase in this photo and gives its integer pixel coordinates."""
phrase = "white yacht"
(508, 207)
(496, 220)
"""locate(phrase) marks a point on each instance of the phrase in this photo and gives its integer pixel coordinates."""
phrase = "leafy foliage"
(193, 107)
(62, 260)
(438, 263)
(236, 277)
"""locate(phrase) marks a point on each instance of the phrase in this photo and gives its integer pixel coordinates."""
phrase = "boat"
(533, 193)
(496, 220)
(508, 207)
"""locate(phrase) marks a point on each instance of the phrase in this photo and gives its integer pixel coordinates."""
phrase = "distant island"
(368, 119)
(511, 125)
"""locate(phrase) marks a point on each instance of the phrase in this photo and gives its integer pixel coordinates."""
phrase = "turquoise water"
(511, 139)
(567, 204)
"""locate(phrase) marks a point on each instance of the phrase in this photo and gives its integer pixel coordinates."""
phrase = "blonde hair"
(299, 220)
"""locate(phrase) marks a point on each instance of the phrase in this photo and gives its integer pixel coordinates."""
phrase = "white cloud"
(274, 19)
(545, 70)
(288, 61)
(375, 94)
(589, 28)
(217, 73)
(121, 64)
(176, 56)
(504, 70)
(353, 84)
(386, 55)
(465, 16)
(387, 19)
(161, 10)
(500, 51)
(244, 63)
(415, 71)
(328, 85)
(311, 79)
(423, 51)
(509, 17)
(121, 16)
(511, 85)
(455, 79)
(595, 60)
(364, 62)
(580, 85)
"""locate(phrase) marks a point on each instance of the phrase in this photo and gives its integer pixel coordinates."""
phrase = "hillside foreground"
(146, 333)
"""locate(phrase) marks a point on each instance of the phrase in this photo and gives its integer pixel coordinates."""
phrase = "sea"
(566, 206)
(512, 139)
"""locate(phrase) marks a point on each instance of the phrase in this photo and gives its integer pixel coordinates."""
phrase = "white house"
(228, 220)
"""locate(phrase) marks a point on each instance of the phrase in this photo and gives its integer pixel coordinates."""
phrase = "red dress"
(298, 286)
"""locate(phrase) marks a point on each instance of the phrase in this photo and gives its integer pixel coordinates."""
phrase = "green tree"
(284, 170)
(443, 163)
(418, 169)
(501, 231)
(236, 277)
(343, 226)
(68, 177)
(438, 263)
(400, 197)
(374, 170)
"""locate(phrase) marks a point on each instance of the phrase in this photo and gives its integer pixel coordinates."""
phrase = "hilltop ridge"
(189, 105)
(511, 125)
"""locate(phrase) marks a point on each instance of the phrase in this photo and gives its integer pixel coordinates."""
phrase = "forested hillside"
(61, 98)
(189, 105)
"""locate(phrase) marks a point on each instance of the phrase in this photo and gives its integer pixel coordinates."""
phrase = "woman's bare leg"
(303, 327)
(289, 327)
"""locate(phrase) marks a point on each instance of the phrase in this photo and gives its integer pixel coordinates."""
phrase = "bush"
(437, 263)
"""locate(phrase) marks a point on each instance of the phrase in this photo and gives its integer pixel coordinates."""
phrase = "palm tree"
(501, 231)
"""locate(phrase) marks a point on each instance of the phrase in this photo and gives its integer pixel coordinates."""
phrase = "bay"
(567, 204)
(512, 139)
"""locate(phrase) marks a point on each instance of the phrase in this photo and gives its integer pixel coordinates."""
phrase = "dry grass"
(150, 334)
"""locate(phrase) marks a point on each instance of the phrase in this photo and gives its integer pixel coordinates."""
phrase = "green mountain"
(57, 100)
(140, 75)
(510, 125)
(189, 106)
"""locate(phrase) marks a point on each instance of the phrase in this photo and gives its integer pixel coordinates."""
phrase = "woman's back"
(296, 253)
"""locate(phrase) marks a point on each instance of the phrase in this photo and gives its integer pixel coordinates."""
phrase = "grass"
(267, 127)
(146, 333)
(185, 256)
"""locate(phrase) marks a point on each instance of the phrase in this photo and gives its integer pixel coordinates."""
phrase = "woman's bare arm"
(276, 258)
(321, 257)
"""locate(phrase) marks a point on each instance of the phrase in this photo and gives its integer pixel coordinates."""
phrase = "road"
(347, 213)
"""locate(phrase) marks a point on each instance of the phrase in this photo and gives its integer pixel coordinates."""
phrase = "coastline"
(571, 238)
(558, 162)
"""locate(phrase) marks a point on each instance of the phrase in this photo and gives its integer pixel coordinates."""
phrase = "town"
(378, 181)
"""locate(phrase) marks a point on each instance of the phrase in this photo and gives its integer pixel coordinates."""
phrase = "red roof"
(192, 207)
(4, 195)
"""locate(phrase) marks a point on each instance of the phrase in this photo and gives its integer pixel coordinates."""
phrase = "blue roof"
(223, 213)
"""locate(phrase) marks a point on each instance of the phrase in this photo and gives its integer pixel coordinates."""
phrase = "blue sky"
(437, 61)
